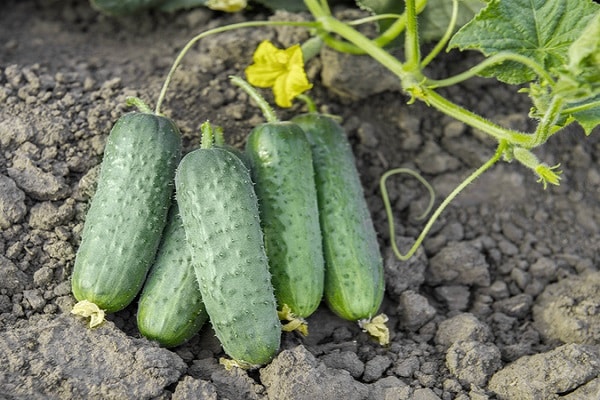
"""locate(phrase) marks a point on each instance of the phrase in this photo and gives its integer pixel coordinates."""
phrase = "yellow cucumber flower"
(283, 70)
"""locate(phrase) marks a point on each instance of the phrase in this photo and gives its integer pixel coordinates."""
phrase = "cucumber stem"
(266, 109)
(139, 104)
(207, 135)
(310, 103)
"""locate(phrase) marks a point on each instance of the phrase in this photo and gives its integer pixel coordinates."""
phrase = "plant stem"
(580, 108)
(266, 109)
(499, 151)
(488, 62)
(444, 40)
(544, 129)
(139, 104)
(476, 121)
(207, 135)
(411, 45)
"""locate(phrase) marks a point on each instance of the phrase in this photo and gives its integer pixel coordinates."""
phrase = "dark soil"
(502, 301)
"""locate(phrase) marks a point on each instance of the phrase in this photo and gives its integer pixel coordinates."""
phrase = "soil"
(502, 300)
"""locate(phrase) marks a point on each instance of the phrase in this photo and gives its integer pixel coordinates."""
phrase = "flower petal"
(290, 85)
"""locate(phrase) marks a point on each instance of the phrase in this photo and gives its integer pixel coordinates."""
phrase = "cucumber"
(219, 211)
(354, 282)
(282, 170)
(170, 308)
(128, 212)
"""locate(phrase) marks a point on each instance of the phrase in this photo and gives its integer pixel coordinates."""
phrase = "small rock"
(544, 268)
(456, 297)
(235, 384)
(193, 389)
(12, 203)
(297, 374)
(517, 306)
(473, 362)
(460, 264)
(499, 290)
(375, 368)
(11, 278)
(35, 182)
(414, 310)
(463, 327)
(425, 394)
(46, 215)
(568, 310)
(407, 367)
(42, 276)
(434, 160)
(35, 299)
(389, 388)
(547, 375)
(347, 360)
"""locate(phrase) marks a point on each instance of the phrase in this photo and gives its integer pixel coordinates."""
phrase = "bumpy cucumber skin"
(282, 170)
(219, 211)
(128, 211)
(354, 283)
(170, 309)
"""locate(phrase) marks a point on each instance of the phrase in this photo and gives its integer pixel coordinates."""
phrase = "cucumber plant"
(127, 214)
(282, 170)
(219, 210)
(170, 307)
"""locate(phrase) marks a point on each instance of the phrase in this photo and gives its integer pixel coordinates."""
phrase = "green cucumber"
(170, 308)
(354, 283)
(128, 212)
(282, 170)
(219, 210)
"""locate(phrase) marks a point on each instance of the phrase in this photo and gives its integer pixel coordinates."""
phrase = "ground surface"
(502, 301)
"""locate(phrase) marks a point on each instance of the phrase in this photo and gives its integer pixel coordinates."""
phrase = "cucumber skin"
(170, 308)
(219, 211)
(128, 212)
(282, 170)
(354, 282)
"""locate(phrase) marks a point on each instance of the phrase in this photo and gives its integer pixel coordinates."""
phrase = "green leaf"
(435, 18)
(542, 30)
(589, 118)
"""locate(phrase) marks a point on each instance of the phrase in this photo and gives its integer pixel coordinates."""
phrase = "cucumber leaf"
(589, 119)
(541, 30)
(578, 82)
